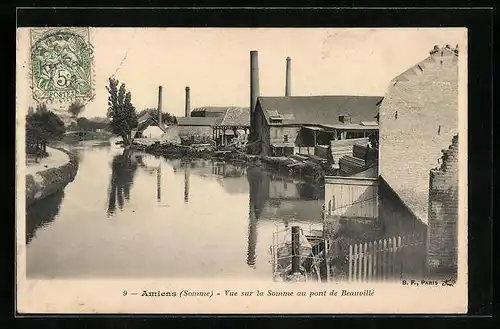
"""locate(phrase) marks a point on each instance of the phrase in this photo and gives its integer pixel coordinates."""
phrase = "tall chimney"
(160, 91)
(188, 104)
(254, 86)
(288, 81)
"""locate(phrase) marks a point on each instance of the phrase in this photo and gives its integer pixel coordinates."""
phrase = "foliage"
(121, 111)
(41, 127)
(90, 125)
(166, 117)
(41, 108)
(76, 108)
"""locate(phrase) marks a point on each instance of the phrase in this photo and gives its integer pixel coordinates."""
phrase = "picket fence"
(390, 258)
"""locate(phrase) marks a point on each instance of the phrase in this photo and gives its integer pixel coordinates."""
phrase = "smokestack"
(188, 104)
(288, 81)
(160, 91)
(254, 85)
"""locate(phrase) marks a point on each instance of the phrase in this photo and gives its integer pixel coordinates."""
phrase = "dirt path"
(55, 159)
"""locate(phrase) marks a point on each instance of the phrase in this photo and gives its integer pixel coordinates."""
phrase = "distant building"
(233, 125)
(226, 122)
(209, 111)
(147, 122)
(418, 132)
(196, 129)
(283, 123)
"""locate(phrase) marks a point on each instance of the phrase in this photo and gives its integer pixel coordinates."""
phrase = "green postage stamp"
(61, 64)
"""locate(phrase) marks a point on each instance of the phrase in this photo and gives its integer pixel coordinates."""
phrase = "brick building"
(443, 211)
(419, 119)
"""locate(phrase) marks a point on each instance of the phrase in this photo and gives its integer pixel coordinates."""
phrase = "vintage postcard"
(245, 170)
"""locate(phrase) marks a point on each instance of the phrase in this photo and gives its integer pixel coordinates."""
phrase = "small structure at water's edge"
(298, 255)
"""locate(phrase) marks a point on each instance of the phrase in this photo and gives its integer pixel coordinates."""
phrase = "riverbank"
(293, 167)
(50, 174)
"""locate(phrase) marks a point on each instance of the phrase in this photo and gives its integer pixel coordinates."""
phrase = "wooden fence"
(390, 258)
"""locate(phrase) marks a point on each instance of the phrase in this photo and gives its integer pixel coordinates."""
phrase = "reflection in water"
(273, 197)
(186, 184)
(259, 183)
(122, 175)
(158, 183)
(40, 214)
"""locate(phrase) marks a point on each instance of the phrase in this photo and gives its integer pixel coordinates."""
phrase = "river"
(130, 214)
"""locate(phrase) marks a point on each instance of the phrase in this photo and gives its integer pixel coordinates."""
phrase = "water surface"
(130, 214)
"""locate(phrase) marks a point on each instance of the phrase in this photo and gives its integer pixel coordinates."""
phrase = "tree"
(40, 108)
(75, 109)
(121, 111)
(42, 127)
(84, 124)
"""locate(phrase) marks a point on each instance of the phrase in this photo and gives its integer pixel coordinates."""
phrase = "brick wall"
(418, 118)
(443, 212)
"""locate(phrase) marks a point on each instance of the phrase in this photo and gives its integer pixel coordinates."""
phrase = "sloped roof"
(145, 121)
(318, 110)
(196, 121)
(236, 116)
(429, 61)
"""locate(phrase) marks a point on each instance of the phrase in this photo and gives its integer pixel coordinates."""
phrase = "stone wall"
(443, 212)
(52, 180)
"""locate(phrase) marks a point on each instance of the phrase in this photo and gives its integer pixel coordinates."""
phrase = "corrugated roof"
(319, 110)
(196, 121)
(209, 111)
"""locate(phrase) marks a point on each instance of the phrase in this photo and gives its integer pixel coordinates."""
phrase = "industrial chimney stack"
(254, 86)
(188, 104)
(160, 122)
(288, 81)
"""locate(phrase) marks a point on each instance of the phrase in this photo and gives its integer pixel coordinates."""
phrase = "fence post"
(327, 264)
(365, 260)
(384, 260)
(393, 257)
(295, 249)
(404, 255)
(350, 263)
(370, 259)
(399, 258)
(355, 265)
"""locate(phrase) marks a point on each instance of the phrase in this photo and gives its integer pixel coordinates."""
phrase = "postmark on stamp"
(61, 64)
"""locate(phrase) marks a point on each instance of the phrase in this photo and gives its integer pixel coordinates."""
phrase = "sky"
(215, 62)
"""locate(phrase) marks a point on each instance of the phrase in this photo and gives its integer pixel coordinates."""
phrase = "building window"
(285, 138)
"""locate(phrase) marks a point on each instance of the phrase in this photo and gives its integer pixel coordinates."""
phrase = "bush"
(41, 128)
